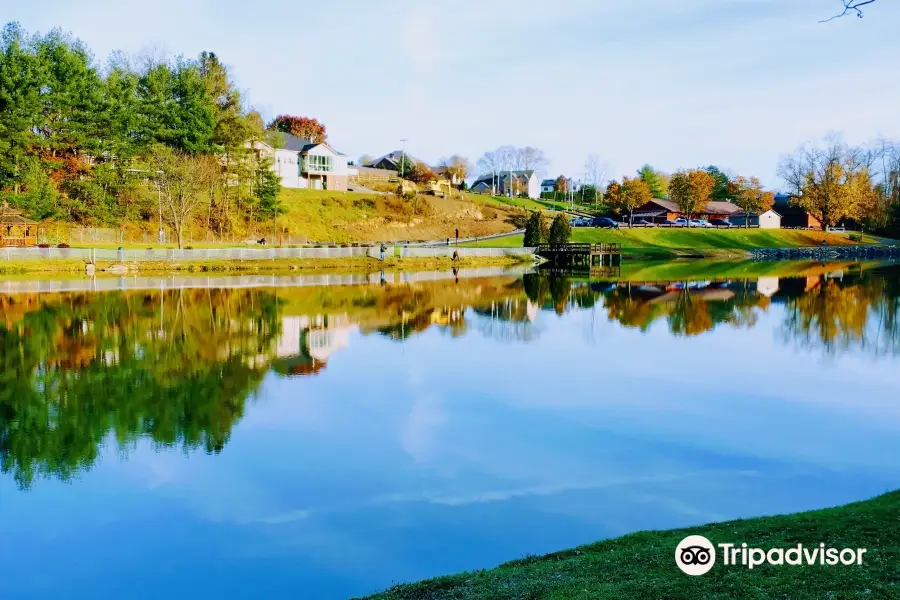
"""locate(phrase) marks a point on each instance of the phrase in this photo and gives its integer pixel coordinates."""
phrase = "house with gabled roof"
(392, 160)
(500, 183)
(303, 164)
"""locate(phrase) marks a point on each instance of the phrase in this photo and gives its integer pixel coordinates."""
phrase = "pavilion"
(16, 230)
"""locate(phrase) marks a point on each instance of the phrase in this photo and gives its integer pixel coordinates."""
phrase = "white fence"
(176, 282)
(89, 255)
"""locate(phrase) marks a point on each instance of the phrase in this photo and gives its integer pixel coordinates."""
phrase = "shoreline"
(642, 565)
(291, 265)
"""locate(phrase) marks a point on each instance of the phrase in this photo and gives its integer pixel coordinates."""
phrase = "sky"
(677, 84)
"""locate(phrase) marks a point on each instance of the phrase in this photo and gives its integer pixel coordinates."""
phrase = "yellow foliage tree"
(691, 191)
(633, 193)
(831, 182)
(747, 193)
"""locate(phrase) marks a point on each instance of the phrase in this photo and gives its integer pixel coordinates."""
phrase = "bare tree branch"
(849, 7)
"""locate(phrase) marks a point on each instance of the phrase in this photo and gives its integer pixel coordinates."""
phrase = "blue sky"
(677, 84)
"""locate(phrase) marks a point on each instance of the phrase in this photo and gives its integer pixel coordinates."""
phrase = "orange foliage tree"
(302, 127)
(691, 191)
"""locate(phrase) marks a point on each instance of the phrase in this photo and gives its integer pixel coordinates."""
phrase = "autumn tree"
(831, 181)
(420, 173)
(182, 183)
(561, 185)
(747, 193)
(560, 229)
(691, 191)
(633, 193)
(302, 127)
(612, 193)
(456, 167)
(656, 181)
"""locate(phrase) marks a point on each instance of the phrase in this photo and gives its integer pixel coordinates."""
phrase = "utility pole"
(402, 156)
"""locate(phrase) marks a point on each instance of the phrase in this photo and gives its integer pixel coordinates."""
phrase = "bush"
(856, 236)
(43, 245)
(560, 230)
(535, 230)
(63, 245)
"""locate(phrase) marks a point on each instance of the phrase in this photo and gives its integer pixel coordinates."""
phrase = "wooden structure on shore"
(580, 254)
(16, 230)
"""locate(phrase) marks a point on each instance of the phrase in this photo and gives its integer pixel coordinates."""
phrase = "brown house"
(658, 210)
(794, 217)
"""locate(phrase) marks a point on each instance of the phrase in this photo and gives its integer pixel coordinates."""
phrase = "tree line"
(132, 140)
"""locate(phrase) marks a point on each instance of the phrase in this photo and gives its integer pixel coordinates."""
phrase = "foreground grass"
(665, 241)
(642, 565)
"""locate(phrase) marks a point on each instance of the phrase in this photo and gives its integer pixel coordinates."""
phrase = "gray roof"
(548, 182)
(292, 142)
(504, 176)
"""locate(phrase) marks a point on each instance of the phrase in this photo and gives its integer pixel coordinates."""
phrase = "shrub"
(856, 236)
(560, 230)
(63, 245)
(43, 245)
(535, 230)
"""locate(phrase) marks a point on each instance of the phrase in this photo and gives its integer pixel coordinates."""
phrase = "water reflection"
(177, 367)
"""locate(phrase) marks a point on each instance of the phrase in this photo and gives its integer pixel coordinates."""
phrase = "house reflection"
(307, 343)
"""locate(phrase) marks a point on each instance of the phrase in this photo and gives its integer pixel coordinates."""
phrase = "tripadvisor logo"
(696, 555)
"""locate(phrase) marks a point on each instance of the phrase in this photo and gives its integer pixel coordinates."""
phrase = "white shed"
(769, 220)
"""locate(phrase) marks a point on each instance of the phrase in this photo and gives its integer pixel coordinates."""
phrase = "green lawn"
(697, 239)
(642, 565)
(526, 203)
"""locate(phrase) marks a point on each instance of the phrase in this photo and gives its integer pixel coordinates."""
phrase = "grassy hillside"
(698, 239)
(642, 565)
(348, 216)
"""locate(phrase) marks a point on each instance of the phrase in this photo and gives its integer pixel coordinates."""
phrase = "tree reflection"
(854, 312)
(175, 367)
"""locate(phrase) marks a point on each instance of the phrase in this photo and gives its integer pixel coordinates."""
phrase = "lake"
(302, 441)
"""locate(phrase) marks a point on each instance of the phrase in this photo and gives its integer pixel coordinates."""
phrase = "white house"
(548, 186)
(304, 164)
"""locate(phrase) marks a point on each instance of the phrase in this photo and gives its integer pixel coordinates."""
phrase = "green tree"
(560, 230)
(656, 181)
(720, 188)
(536, 231)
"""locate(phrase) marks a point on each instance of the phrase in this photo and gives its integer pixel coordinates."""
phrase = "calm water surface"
(326, 442)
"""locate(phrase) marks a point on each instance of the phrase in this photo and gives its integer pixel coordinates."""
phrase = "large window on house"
(318, 163)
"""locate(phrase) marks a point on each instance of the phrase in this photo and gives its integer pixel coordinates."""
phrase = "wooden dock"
(585, 254)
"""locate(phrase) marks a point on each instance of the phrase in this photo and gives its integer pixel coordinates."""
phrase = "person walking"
(457, 236)
(383, 248)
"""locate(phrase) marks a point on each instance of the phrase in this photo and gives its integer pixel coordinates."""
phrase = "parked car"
(605, 223)
(720, 222)
(583, 222)
(643, 223)
(681, 221)
(669, 223)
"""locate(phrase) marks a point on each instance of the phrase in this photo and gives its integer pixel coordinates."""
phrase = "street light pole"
(402, 156)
